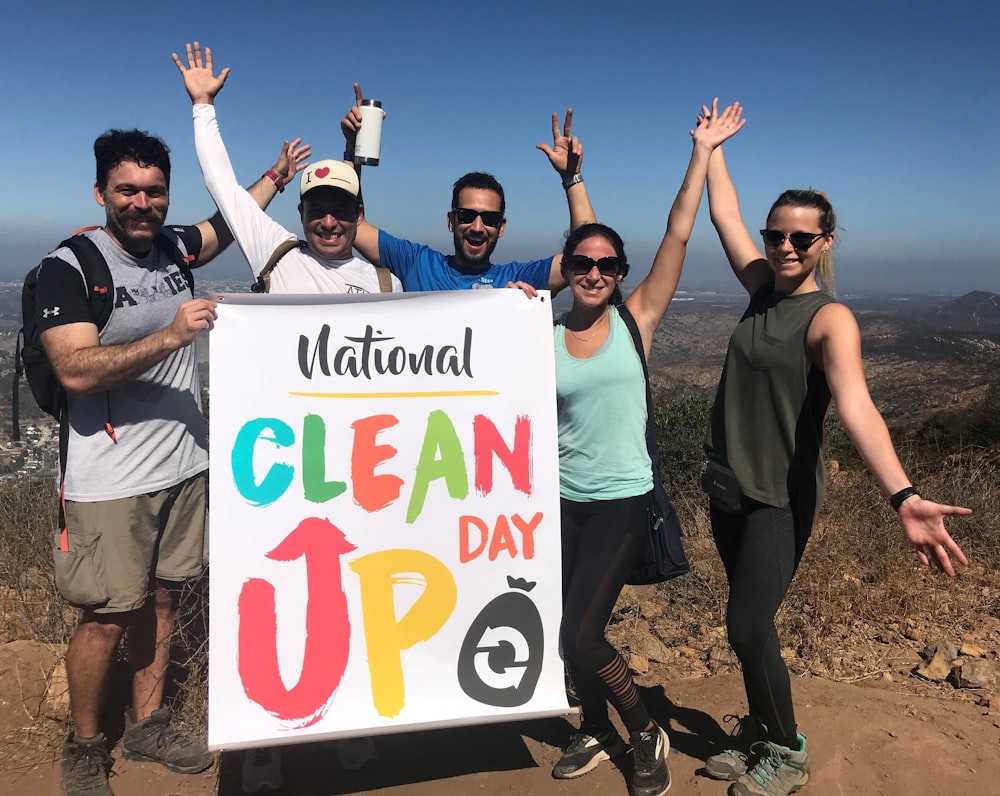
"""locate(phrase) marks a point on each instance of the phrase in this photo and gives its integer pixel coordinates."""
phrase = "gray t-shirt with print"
(160, 436)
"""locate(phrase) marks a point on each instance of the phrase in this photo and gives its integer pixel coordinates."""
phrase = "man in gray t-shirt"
(135, 467)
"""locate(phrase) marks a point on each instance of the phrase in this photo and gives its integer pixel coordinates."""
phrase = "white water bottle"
(368, 144)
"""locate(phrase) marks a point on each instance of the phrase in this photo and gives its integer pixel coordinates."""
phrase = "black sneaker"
(153, 740)
(584, 752)
(85, 767)
(651, 776)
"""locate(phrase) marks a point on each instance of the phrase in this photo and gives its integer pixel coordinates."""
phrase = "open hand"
(714, 127)
(923, 523)
(200, 80)
(292, 159)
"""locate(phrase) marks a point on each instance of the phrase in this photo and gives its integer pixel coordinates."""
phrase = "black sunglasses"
(491, 218)
(579, 264)
(799, 240)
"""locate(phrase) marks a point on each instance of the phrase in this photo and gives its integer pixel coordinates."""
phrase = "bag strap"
(384, 279)
(263, 283)
(15, 398)
(96, 275)
(651, 448)
(170, 248)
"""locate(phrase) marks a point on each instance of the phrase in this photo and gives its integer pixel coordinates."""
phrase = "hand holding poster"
(385, 547)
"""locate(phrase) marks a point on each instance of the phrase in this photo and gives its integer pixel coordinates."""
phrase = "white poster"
(385, 550)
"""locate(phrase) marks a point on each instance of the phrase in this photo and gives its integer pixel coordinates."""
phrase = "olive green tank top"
(767, 420)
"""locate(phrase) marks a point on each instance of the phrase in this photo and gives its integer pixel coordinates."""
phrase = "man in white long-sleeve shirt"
(323, 263)
(329, 206)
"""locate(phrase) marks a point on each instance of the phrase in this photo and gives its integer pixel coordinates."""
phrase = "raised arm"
(649, 301)
(257, 234)
(745, 258)
(566, 157)
(366, 240)
(835, 340)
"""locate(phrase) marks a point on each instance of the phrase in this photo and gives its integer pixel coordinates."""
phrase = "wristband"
(348, 156)
(903, 494)
(272, 175)
(571, 181)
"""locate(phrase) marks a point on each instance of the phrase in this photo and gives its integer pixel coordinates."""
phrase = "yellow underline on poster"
(430, 394)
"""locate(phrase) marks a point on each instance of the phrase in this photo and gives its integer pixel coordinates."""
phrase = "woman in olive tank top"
(794, 348)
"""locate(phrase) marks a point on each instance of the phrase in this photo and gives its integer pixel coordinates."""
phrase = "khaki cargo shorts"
(115, 547)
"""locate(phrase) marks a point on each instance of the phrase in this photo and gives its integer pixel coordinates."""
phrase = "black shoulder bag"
(663, 557)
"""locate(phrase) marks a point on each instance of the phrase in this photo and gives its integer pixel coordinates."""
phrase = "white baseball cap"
(330, 174)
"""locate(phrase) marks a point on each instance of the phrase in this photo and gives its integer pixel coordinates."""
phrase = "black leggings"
(601, 542)
(761, 548)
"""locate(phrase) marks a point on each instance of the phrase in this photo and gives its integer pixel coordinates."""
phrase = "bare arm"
(724, 207)
(836, 341)
(566, 157)
(366, 240)
(649, 301)
(83, 365)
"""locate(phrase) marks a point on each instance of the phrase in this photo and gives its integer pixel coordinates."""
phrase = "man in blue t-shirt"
(477, 222)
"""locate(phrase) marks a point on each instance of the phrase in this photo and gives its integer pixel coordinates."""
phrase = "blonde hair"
(820, 202)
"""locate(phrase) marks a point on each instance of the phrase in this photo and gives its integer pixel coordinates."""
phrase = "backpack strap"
(263, 283)
(384, 279)
(169, 247)
(15, 396)
(96, 275)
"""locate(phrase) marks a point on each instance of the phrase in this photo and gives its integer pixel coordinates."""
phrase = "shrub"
(977, 425)
(681, 424)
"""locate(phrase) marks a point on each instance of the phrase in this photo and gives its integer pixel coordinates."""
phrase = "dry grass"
(858, 605)
(861, 604)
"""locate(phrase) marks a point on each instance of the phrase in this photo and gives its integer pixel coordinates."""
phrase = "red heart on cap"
(321, 173)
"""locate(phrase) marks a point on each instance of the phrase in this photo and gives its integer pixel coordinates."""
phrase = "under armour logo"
(50, 312)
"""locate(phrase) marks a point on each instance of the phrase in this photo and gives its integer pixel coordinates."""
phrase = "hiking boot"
(779, 771)
(734, 761)
(153, 740)
(651, 776)
(584, 752)
(85, 766)
(262, 770)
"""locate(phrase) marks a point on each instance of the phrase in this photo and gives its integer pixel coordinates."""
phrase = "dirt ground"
(872, 739)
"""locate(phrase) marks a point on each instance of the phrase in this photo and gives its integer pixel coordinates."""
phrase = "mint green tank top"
(601, 404)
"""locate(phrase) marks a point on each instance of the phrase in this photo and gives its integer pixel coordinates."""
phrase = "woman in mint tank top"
(604, 468)
(794, 348)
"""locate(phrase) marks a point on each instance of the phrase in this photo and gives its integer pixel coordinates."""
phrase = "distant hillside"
(978, 311)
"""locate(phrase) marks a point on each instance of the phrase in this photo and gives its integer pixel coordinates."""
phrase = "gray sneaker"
(734, 761)
(85, 766)
(584, 752)
(779, 771)
(153, 740)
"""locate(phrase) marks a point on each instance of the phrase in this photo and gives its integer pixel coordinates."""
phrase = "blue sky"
(892, 108)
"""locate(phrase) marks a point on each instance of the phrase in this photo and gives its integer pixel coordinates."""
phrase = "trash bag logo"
(501, 657)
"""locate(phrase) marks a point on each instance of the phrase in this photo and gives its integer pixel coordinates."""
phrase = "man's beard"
(134, 230)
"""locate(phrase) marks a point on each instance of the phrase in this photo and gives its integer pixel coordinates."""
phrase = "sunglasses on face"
(491, 218)
(579, 264)
(344, 211)
(799, 240)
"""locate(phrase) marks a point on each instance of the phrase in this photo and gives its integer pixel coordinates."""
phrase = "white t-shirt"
(258, 235)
